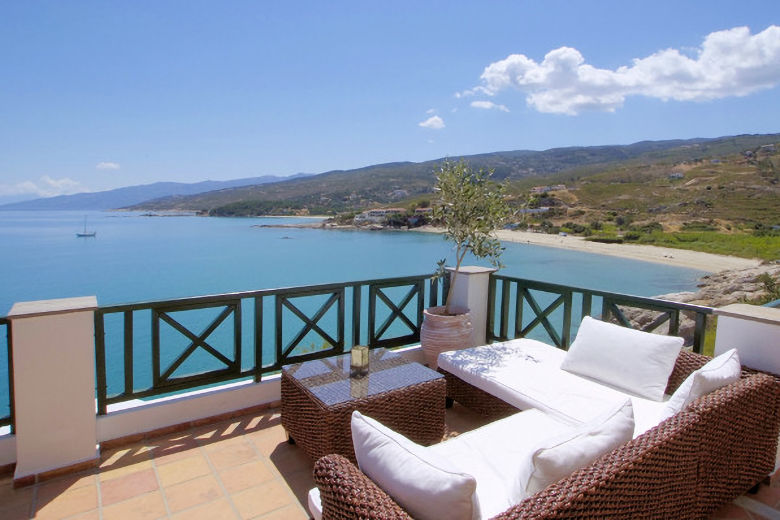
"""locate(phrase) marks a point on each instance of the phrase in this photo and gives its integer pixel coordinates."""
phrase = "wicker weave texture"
(416, 411)
(739, 434)
(347, 494)
(686, 467)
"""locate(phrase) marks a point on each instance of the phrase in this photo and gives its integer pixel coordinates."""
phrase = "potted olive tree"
(470, 207)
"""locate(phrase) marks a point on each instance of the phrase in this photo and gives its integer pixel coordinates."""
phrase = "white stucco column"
(471, 291)
(754, 331)
(54, 385)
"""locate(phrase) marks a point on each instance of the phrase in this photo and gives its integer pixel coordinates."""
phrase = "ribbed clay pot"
(441, 332)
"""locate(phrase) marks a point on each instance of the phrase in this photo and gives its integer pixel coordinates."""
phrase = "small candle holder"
(358, 366)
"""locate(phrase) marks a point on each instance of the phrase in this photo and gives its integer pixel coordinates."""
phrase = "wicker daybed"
(687, 466)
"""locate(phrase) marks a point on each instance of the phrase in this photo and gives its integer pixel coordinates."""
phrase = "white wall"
(754, 331)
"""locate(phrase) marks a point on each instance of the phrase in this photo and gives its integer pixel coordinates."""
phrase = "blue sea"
(136, 258)
(140, 258)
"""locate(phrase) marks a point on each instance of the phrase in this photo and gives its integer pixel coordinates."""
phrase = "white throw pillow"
(561, 456)
(418, 480)
(632, 360)
(719, 371)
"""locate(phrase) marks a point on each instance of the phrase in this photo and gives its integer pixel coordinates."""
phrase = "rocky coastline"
(716, 290)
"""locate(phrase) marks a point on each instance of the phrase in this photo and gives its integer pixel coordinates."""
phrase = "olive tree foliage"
(470, 207)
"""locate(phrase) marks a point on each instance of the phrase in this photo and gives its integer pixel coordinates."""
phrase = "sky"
(96, 95)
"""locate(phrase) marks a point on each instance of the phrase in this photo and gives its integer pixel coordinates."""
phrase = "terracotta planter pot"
(441, 332)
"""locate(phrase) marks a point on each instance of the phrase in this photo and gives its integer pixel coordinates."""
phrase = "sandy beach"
(663, 255)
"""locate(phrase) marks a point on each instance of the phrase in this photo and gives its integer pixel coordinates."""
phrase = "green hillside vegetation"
(396, 183)
(715, 195)
(725, 205)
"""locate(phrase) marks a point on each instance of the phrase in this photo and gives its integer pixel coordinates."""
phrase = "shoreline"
(708, 262)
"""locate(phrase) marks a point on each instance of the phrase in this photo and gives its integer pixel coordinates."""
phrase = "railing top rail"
(595, 292)
(252, 294)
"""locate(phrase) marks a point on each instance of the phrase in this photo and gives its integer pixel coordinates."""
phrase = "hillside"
(122, 197)
(406, 182)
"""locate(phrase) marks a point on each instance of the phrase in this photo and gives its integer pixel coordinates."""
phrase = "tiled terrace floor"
(242, 468)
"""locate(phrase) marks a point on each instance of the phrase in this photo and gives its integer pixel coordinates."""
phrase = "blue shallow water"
(137, 258)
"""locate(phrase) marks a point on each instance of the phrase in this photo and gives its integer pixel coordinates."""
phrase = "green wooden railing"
(274, 324)
(551, 312)
(5, 338)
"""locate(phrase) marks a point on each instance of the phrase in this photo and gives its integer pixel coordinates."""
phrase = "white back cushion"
(636, 361)
(719, 371)
(413, 476)
(558, 457)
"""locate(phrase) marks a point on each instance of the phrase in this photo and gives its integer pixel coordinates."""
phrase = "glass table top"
(329, 379)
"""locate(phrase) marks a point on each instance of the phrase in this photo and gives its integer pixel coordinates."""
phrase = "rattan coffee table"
(319, 396)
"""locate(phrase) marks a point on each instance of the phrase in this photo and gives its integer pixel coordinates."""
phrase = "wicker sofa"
(687, 466)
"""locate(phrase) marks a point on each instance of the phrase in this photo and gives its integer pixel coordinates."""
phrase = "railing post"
(471, 292)
(54, 386)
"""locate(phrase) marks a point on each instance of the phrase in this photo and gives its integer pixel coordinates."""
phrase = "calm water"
(136, 258)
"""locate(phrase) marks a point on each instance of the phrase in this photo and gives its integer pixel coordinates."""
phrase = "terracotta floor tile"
(67, 504)
(269, 440)
(288, 513)
(216, 510)
(91, 515)
(300, 483)
(223, 440)
(262, 499)
(15, 511)
(173, 449)
(128, 486)
(143, 507)
(192, 493)
(124, 456)
(233, 455)
(62, 484)
(109, 473)
(245, 476)
(287, 459)
(14, 497)
(183, 470)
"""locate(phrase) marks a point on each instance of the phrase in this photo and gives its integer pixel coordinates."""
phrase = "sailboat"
(86, 233)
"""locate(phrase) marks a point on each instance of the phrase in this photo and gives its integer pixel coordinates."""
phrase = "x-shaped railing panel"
(612, 307)
(377, 292)
(165, 378)
(541, 316)
(284, 301)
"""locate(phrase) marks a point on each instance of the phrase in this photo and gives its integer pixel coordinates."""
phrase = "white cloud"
(106, 165)
(489, 105)
(728, 63)
(44, 187)
(430, 111)
(433, 122)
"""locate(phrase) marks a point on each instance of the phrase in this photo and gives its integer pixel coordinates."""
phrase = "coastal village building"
(542, 189)
(378, 215)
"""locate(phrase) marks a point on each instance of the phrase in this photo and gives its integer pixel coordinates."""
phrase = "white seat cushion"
(315, 503)
(495, 454)
(719, 371)
(526, 374)
(635, 361)
(557, 457)
(418, 480)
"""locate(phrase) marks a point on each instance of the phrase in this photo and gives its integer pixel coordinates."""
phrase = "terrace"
(189, 437)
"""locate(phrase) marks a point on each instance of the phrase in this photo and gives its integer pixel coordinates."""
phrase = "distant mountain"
(129, 196)
(394, 183)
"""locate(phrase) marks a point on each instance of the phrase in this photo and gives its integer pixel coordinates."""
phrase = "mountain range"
(132, 195)
(382, 184)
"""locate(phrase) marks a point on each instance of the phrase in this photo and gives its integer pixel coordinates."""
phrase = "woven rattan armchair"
(688, 466)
